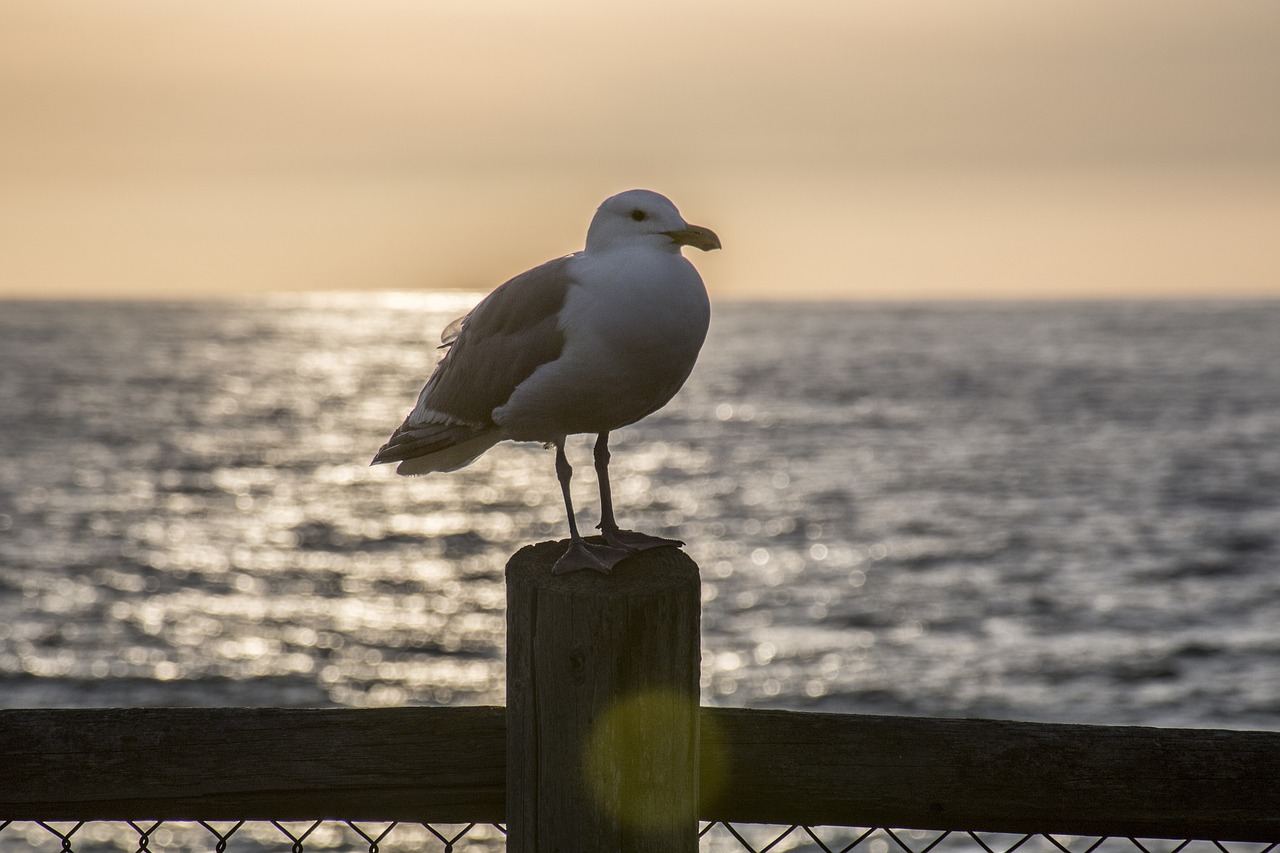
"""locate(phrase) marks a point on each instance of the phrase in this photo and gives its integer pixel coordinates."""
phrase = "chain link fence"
(324, 836)
(317, 836)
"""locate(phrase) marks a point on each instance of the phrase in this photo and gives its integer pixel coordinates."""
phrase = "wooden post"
(602, 704)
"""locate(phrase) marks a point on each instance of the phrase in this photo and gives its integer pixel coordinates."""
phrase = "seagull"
(584, 344)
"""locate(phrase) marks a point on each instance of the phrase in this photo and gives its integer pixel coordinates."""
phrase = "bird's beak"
(695, 236)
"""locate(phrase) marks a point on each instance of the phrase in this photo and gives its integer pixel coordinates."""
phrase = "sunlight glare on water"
(1039, 511)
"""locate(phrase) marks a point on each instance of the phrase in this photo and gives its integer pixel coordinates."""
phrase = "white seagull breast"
(633, 323)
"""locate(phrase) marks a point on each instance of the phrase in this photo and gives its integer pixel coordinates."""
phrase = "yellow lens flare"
(635, 760)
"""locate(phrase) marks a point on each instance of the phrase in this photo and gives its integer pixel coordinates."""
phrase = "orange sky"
(843, 149)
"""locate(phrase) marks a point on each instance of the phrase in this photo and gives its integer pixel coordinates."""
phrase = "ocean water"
(1062, 512)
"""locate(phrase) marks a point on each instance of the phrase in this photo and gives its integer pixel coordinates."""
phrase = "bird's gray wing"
(509, 335)
(450, 333)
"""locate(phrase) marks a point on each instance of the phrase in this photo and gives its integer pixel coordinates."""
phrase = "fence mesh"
(324, 836)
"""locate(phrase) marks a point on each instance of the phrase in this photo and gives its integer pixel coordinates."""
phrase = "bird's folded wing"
(504, 339)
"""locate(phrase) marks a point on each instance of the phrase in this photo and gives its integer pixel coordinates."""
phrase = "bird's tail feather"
(423, 448)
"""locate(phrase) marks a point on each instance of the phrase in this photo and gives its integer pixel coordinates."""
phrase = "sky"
(847, 149)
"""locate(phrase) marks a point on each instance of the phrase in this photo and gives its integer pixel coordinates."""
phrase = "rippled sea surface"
(1041, 511)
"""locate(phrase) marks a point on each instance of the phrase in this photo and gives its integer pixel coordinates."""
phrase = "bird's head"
(645, 216)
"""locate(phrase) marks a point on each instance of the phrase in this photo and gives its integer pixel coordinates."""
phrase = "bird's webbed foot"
(633, 542)
(583, 555)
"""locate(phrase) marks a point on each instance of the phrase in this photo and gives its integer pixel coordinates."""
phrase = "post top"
(647, 571)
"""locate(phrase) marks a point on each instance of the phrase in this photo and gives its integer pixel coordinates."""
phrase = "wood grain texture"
(788, 767)
(448, 764)
(442, 764)
(602, 703)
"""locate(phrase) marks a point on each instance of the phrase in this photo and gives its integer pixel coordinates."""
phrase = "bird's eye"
(638, 215)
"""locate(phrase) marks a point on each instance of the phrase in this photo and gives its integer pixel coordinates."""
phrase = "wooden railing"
(449, 765)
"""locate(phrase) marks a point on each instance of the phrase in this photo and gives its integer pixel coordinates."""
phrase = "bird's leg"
(618, 538)
(564, 473)
(607, 525)
(579, 555)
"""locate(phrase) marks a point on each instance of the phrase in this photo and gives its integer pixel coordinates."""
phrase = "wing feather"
(504, 339)
(489, 352)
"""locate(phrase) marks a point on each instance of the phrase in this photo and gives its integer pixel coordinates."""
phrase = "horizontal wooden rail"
(924, 773)
(433, 764)
(448, 765)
